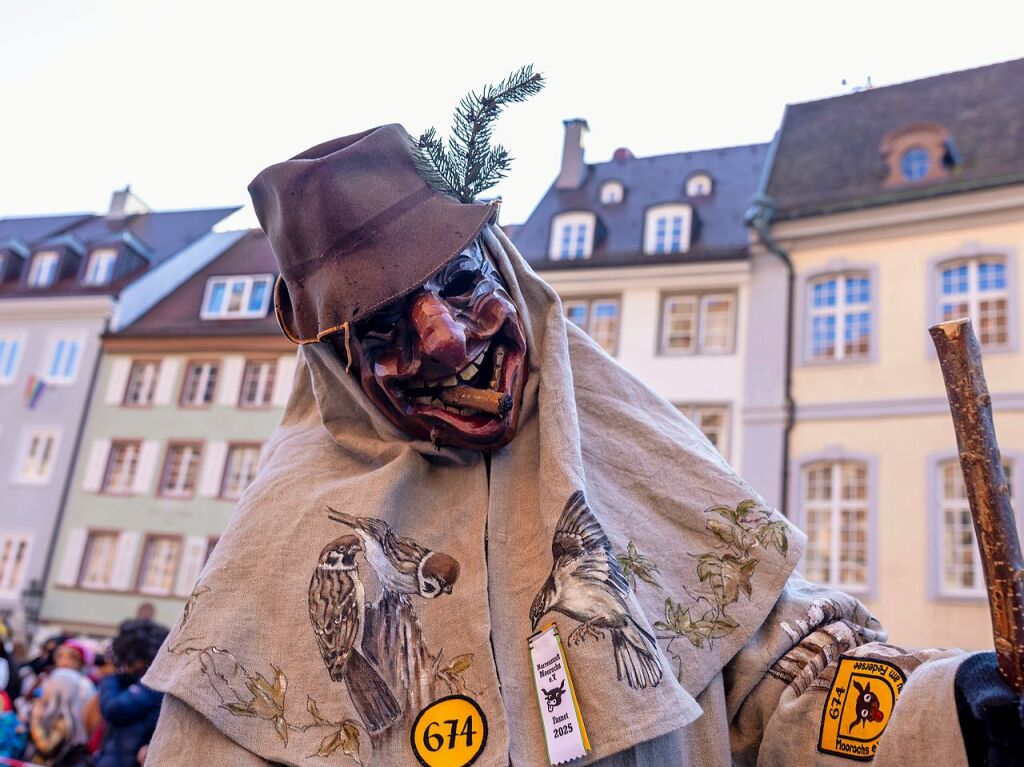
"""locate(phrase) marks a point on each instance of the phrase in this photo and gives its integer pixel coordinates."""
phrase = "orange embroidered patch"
(859, 704)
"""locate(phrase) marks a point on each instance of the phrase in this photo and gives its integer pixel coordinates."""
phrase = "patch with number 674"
(450, 732)
(859, 704)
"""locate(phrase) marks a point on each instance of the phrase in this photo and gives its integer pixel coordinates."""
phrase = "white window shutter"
(213, 468)
(149, 455)
(283, 379)
(120, 369)
(96, 466)
(165, 383)
(231, 381)
(124, 565)
(191, 563)
(74, 548)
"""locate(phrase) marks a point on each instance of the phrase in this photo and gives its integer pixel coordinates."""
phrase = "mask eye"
(382, 322)
(459, 284)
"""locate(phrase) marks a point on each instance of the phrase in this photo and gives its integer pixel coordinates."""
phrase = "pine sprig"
(469, 165)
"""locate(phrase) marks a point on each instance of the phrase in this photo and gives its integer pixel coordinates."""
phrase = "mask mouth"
(477, 398)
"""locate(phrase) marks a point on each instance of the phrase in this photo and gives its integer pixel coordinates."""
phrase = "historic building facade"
(64, 281)
(898, 207)
(649, 256)
(184, 399)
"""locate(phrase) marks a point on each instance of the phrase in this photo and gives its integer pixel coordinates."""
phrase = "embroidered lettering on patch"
(450, 732)
(859, 704)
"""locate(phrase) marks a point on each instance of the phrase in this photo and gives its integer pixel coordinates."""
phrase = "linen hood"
(697, 558)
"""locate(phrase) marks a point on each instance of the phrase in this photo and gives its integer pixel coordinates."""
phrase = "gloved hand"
(991, 714)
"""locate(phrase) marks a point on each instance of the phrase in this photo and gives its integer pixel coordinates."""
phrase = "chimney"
(123, 204)
(622, 154)
(574, 170)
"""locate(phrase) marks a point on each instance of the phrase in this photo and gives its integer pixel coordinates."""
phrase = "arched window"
(835, 511)
(572, 236)
(612, 192)
(979, 288)
(699, 185)
(667, 229)
(839, 316)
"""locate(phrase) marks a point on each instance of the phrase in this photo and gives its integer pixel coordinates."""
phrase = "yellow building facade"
(882, 417)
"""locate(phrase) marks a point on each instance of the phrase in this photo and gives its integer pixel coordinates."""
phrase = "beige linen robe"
(743, 647)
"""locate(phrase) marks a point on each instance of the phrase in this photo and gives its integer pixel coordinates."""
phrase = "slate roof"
(177, 315)
(719, 229)
(161, 233)
(828, 158)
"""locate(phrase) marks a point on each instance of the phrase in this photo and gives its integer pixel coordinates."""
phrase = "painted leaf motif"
(732, 535)
(281, 726)
(314, 711)
(726, 576)
(350, 746)
(239, 709)
(460, 664)
(330, 744)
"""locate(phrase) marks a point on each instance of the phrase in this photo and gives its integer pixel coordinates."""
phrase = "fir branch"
(468, 165)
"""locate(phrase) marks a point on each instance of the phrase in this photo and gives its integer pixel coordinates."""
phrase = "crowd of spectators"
(79, 702)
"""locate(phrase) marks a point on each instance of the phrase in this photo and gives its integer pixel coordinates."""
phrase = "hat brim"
(314, 309)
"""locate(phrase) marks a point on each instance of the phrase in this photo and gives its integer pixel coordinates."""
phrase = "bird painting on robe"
(587, 585)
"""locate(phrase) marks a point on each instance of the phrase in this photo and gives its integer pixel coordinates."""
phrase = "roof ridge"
(901, 83)
(730, 147)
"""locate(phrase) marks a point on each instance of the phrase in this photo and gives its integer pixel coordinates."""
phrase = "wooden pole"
(987, 491)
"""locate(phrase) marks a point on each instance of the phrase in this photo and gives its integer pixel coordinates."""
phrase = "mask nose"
(442, 337)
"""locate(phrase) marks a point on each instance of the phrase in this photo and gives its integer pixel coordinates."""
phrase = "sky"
(187, 101)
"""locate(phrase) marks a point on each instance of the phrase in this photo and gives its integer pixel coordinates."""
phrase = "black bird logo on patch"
(587, 585)
(868, 707)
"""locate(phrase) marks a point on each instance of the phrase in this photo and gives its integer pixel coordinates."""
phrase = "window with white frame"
(200, 383)
(239, 470)
(43, 270)
(698, 323)
(141, 383)
(713, 421)
(572, 236)
(100, 268)
(14, 550)
(122, 463)
(667, 229)
(960, 570)
(236, 297)
(977, 288)
(159, 567)
(836, 520)
(97, 569)
(257, 383)
(10, 356)
(39, 451)
(598, 317)
(181, 467)
(698, 185)
(612, 192)
(839, 317)
(63, 360)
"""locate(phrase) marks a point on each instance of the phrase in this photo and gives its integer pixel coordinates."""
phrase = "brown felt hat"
(354, 226)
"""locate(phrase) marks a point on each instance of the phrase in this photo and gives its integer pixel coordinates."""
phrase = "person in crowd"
(56, 729)
(129, 708)
(10, 679)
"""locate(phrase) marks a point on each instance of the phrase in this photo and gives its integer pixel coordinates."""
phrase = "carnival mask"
(448, 362)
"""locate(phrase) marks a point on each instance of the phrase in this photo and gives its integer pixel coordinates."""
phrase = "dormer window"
(612, 192)
(236, 297)
(572, 236)
(100, 270)
(44, 269)
(698, 185)
(667, 229)
(918, 153)
(914, 164)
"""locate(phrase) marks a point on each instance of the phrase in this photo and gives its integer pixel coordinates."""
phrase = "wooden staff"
(987, 491)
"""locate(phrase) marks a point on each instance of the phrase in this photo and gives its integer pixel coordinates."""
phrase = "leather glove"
(991, 714)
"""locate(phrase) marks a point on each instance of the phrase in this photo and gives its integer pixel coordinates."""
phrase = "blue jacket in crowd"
(130, 710)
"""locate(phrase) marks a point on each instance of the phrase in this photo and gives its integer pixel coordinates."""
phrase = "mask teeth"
(499, 363)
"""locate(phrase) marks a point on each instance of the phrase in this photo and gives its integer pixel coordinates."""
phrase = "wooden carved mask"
(448, 361)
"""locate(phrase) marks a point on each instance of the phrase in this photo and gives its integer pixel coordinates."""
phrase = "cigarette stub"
(486, 400)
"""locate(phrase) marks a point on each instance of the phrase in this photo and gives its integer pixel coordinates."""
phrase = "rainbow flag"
(33, 391)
